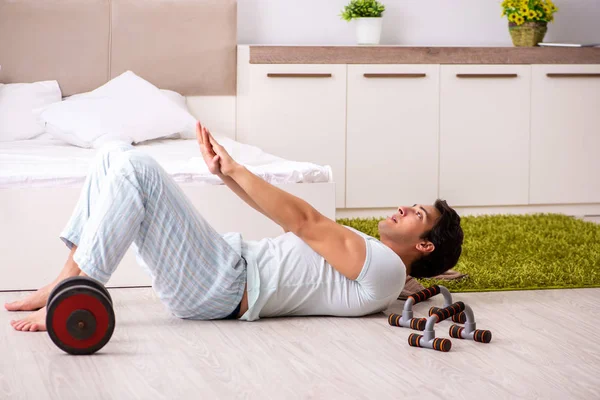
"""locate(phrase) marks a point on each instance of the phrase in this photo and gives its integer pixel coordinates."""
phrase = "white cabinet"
(509, 137)
(392, 135)
(565, 134)
(484, 134)
(297, 112)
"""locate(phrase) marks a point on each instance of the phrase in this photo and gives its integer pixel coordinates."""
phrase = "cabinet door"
(565, 134)
(392, 135)
(484, 134)
(297, 112)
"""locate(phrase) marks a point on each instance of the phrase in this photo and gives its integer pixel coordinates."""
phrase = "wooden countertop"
(421, 55)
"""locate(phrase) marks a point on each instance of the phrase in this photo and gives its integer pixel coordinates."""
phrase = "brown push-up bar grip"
(407, 320)
(415, 323)
(478, 335)
(459, 318)
(418, 323)
(452, 309)
(469, 331)
(438, 344)
(425, 294)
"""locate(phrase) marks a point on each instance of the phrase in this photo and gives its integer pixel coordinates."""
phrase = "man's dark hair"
(447, 237)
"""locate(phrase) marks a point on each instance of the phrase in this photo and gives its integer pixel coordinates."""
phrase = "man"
(317, 267)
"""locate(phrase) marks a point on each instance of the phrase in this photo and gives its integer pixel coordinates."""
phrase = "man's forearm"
(285, 209)
(231, 184)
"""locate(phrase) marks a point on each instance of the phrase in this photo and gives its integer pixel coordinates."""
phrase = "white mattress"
(53, 163)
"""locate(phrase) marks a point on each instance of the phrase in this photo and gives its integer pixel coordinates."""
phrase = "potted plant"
(368, 15)
(528, 20)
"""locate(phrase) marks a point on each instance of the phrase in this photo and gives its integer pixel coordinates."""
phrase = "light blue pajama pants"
(128, 199)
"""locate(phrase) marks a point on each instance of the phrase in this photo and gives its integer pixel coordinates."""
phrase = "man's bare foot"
(38, 299)
(34, 301)
(35, 322)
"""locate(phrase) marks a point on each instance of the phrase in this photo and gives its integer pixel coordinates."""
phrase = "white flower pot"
(368, 30)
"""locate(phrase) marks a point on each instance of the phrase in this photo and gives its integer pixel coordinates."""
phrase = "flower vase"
(528, 34)
(368, 30)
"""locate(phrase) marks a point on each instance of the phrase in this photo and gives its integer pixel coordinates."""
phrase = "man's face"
(408, 224)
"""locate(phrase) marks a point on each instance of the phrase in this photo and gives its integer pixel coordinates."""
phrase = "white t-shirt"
(286, 277)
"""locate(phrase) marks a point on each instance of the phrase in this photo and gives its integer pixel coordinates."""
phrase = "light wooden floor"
(544, 346)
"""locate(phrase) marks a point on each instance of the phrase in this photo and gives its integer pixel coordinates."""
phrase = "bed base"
(32, 218)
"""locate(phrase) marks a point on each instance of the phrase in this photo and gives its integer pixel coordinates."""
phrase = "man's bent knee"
(107, 152)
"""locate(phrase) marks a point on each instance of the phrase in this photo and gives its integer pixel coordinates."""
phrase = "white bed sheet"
(53, 163)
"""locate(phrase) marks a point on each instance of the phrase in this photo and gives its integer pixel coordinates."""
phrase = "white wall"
(407, 22)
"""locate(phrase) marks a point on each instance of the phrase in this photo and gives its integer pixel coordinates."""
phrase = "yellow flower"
(519, 20)
(528, 10)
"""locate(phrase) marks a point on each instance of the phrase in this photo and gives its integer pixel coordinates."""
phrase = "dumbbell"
(80, 318)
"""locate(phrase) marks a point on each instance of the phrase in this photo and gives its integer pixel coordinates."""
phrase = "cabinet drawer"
(392, 135)
(297, 112)
(484, 134)
(565, 134)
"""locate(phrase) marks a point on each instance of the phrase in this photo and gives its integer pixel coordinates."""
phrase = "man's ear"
(425, 247)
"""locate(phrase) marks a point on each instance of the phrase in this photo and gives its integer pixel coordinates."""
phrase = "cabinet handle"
(487, 75)
(573, 75)
(292, 75)
(418, 75)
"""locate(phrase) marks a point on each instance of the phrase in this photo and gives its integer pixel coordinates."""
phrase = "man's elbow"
(305, 223)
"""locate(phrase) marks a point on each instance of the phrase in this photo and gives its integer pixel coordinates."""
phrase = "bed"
(54, 164)
(83, 44)
(40, 181)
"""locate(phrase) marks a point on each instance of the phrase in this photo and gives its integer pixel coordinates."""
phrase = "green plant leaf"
(362, 9)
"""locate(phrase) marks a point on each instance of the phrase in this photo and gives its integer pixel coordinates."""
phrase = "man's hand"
(210, 157)
(215, 156)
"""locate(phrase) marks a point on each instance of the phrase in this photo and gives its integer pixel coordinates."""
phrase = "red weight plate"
(77, 302)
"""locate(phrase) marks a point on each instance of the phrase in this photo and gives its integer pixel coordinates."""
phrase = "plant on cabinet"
(369, 19)
(528, 20)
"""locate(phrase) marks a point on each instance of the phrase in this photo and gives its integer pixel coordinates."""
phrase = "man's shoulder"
(359, 232)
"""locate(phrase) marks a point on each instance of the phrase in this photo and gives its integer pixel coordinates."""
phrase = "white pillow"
(18, 120)
(127, 108)
(170, 94)
(182, 103)
(175, 98)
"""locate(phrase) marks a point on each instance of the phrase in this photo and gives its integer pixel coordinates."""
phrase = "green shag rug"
(520, 252)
